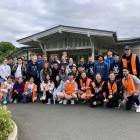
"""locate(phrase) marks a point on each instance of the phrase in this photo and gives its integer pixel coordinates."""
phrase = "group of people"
(111, 80)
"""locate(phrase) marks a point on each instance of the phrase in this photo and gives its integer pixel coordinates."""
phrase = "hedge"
(6, 123)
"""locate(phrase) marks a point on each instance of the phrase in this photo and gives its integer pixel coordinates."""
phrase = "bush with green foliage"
(6, 48)
(6, 123)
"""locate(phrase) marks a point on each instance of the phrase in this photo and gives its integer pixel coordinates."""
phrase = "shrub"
(6, 123)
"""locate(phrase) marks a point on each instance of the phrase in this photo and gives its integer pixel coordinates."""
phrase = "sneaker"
(64, 102)
(105, 100)
(94, 103)
(54, 101)
(15, 101)
(72, 102)
(60, 102)
(135, 105)
(4, 102)
(83, 102)
(138, 108)
(49, 102)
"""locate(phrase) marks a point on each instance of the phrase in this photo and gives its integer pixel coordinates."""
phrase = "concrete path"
(74, 122)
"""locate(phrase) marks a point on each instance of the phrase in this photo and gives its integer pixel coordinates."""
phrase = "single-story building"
(77, 41)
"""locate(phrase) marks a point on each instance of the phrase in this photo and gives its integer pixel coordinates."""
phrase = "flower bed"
(6, 123)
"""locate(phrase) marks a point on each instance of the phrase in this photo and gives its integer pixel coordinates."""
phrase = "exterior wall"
(136, 49)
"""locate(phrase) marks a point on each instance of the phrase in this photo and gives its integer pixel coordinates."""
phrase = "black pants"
(27, 98)
(37, 82)
(17, 97)
(113, 101)
(48, 96)
(130, 100)
(98, 97)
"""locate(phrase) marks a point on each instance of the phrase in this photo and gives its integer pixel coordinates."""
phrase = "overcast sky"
(20, 18)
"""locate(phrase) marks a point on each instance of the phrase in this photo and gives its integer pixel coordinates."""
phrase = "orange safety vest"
(130, 85)
(133, 63)
(88, 82)
(3, 86)
(34, 89)
(112, 88)
(100, 88)
(70, 87)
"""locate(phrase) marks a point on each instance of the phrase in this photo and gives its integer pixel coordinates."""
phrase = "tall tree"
(6, 48)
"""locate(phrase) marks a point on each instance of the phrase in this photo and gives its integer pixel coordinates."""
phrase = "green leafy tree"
(6, 48)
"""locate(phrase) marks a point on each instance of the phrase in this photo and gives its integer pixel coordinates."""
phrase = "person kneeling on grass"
(112, 91)
(7, 95)
(70, 90)
(98, 91)
(47, 88)
(3, 88)
(29, 94)
(18, 89)
(85, 92)
(131, 88)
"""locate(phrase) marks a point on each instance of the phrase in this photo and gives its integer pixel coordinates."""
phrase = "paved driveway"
(74, 122)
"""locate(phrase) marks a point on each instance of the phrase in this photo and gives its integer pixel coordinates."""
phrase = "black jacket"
(33, 70)
(116, 67)
(23, 70)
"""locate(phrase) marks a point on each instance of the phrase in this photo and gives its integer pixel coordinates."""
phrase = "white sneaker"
(72, 102)
(15, 101)
(105, 100)
(64, 102)
(49, 102)
(95, 103)
(138, 108)
(135, 105)
(54, 101)
(60, 102)
(4, 102)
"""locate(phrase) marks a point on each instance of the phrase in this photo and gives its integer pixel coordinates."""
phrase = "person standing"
(102, 68)
(82, 64)
(33, 70)
(55, 71)
(131, 61)
(90, 68)
(116, 67)
(19, 70)
(110, 59)
(5, 70)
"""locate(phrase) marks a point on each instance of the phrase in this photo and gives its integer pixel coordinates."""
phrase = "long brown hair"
(46, 70)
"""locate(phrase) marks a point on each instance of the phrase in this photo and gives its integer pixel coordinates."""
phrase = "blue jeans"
(6, 97)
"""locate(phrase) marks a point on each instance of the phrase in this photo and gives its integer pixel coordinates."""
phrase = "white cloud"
(20, 18)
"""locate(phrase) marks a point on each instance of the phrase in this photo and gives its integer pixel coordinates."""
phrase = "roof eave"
(62, 28)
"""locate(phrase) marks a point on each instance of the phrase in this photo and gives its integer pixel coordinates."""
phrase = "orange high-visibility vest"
(87, 85)
(100, 88)
(133, 63)
(70, 87)
(34, 89)
(3, 86)
(130, 85)
(112, 89)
